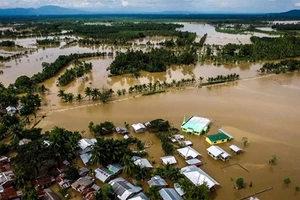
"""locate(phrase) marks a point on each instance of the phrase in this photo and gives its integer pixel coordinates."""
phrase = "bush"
(239, 182)
(297, 188)
(273, 160)
(287, 180)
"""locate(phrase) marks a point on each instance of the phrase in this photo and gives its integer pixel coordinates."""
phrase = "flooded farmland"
(263, 109)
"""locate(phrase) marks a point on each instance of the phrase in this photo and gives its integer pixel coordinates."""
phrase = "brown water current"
(265, 110)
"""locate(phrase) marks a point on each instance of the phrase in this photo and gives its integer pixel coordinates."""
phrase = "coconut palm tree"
(79, 97)
(88, 92)
(128, 164)
(61, 93)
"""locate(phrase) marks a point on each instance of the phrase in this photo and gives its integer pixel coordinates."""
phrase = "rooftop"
(196, 123)
(168, 160)
(188, 152)
(123, 188)
(221, 135)
(6, 177)
(157, 181)
(139, 196)
(85, 142)
(103, 174)
(82, 183)
(235, 148)
(142, 162)
(169, 194)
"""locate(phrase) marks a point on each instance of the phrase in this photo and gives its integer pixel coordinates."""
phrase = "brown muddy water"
(263, 109)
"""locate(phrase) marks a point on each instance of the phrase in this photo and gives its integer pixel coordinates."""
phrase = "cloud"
(125, 3)
(297, 4)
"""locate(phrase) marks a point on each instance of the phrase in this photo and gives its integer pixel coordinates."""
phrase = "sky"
(237, 6)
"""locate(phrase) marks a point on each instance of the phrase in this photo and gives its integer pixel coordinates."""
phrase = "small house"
(43, 182)
(50, 195)
(198, 177)
(178, 189)
(220, 137)
(124, 189)
(82, 183)
(195, 125)
(86, 145)
(7, 178)
(11, 110)
(217, 152)
(90, 193)
(168, 160)
(139, 127)
(169, 194)
(63, 167)
(121, 130)
(236, 149)
(139, 196)
(63, 182)
(188, 153)
(115, 168)
(7, 193)
(142, 162)
(83, 171)
(157, 181)
(103, 174)
(86, 158)
(194, 161)
(4, 160)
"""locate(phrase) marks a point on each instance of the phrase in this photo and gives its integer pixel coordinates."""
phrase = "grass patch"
(153, 92)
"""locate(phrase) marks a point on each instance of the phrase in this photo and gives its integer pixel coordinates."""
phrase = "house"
(236, 149)
(50, 195)
(103, 174)
(124, 189)
(168, 160)
(86, 158)
(7, 178)
(24, 141)
(63, 167)
(115, 168)
(9, 193)
(220, 137)
(89, 193)
(198, 177)
(43, 182)
(194, 161)
(181, 140)
(188, 153)
(11, 110)
(195, 125)
(63, 182)
(4, 160)
(142, 162)
(169, 194)
(139, 127)
(82, 183)
(178, 189)
(86, 145)
(157, 181)
(186, 143)
(121, 130)
(83, 171)
(139, 196)
(218, 153)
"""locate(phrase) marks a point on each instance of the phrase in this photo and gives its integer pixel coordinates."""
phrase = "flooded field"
(264, 110)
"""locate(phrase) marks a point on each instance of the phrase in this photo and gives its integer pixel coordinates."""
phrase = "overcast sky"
(244, 6)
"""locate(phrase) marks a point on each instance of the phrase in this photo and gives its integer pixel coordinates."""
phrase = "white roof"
(138, 126)
(188, 151)
(168, 160)
(235, 148)
(85, 142)
(178, 137)
(142, 162)
(196, 123)
(11, 109)
(214, 150)
(197, 176)
(193, 161)
(187, 142)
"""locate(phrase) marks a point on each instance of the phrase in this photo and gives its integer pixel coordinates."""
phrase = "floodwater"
(217, 38)
(263, 109)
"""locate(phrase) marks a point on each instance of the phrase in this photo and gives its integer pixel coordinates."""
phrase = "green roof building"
(220, 137)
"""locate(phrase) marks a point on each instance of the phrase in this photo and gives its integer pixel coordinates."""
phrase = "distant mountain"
(291, 13)
(45, 10)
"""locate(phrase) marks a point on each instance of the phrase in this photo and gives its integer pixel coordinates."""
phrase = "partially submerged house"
(83, 171)
(121, 130)
(236, 149)
(7, 178)
(124, 189)
(195, 125)
(11, 110)
(86, 158)
(220, 137)
(115, 168)
(103, 174)
(169, 194)
(82, 183)
(178, 189)
(139, 127)
(142, 162)
(43, 182)
(157, 181)
(168, 160)
(63, 182)
(90, 193)
(198, 177)
(139, 196)
(86, 145)
(50, 195)
(10, 193)
(194, 161)
(188, 153)
(181, 140)
(217, 152)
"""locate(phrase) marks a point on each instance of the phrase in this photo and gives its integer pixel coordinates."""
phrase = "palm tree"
(29, 193)
(95, 93)
(61, 93)
(128, 164)
(79, 97)
(88, 92)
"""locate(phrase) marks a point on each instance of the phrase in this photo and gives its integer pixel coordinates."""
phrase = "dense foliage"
(77, 71)
(102, 128)
(281, 67)
(48, 42)
(7, 43)
(287, 27)
(158, 125)
(156, 60)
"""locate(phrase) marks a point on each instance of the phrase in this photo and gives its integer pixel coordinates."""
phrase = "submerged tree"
(239, 183)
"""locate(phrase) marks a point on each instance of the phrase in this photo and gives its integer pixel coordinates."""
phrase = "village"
(111, 174)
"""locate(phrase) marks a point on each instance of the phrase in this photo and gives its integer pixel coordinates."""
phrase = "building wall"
(216, 142)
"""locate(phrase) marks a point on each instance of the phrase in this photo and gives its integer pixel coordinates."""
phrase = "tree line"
(280, 67)
(48, 42)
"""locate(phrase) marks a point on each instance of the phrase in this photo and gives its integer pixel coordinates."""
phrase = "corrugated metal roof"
(123, 188)
(142, 162)
(235, 148)
(195, 123)
(169, 194)
(103, 174)
(168, 160)
(157, 181)
(188, 152)
(85, 158)
(139, 196)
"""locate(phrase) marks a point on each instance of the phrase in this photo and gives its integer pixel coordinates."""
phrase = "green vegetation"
(7, 43)
(102, 129)
(72, 173)
(153, 92)
(273, 160)
(29, 193)
(286, 27)
(77, 71)
(51, 69)
(106, 193)
(287, 181)
(245, 141)
(194, 192)
(167, 146)
(54, 41)
(239, 183)
(221, 79)
(297, 188)
(156, 60)
(170, 172)
(158, 125)
(281, 67)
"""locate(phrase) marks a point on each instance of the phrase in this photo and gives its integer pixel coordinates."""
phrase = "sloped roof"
(138, 126)
(139, 196)
(85, 142)
(188, 152)
(214, 151)
(193, 161)
(168, 160)
(82, 183)
(142, 162)
(235, 148)
(85, 158)
(103, 174)
(196, 123)
(197, 176)
(115, 168)
(157, 181)
(123, 188)
(169, 194)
